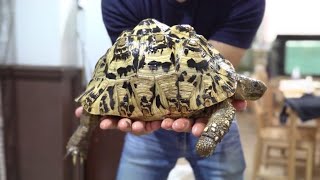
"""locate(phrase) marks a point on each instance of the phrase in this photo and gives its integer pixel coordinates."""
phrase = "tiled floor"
(248, 139)
(183, 171)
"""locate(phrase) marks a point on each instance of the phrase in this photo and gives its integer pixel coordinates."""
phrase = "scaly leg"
(79, 142)
(217, 126)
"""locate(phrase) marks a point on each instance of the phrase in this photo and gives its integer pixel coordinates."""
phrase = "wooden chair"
(287, 139)
(305, 139)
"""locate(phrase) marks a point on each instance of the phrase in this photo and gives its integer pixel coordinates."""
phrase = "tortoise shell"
(156, 71)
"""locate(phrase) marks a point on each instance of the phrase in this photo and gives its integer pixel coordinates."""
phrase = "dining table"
(301, 105)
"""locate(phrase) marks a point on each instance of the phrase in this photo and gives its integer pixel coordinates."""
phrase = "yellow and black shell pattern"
(156, 71)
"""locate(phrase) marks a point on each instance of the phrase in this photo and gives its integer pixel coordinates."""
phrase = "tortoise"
(155, 71)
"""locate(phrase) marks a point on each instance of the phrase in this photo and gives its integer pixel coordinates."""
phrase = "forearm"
(232, 53)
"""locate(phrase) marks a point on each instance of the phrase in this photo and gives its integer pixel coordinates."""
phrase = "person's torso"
(204, 15)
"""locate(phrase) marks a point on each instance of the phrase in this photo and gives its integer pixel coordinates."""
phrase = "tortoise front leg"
(217, 126)
(78, 144)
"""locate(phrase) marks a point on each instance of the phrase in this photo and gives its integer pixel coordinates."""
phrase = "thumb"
(239, 105)
(78, 111)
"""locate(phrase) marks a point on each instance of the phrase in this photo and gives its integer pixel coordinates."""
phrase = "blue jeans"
(152, 156)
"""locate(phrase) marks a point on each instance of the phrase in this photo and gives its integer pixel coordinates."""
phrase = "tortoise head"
(249, 89)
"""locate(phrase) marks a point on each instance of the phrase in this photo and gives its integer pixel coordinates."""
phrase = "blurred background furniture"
(301, 110)
(294, 55)
(38, 113)
(285, 140)
(38, 119)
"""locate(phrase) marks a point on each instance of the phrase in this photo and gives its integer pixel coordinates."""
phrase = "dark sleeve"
(119, 15)
(241, 24)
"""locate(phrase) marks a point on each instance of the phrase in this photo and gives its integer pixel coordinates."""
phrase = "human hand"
(141, 127)
(125, 124)
(196, 128)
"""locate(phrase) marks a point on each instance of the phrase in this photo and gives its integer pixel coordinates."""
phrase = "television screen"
(302, 54)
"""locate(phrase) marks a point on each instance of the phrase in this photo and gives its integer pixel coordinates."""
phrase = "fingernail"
(195, 131)
(167, 123)
(103, 126)
(134, 126)
(176, 125)
(180, 126)
(138, 128)
(185, 125)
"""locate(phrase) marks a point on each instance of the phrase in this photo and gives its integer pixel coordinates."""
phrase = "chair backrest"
(264, 107)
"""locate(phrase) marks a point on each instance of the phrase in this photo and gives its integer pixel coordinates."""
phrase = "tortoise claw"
(77, 155)
(74, 158)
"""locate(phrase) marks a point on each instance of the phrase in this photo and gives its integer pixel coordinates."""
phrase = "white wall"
(46, 29)
(93, 36)
(68, 33)
(45, 32)
(289, 17)
(55, 33)
(37, 32)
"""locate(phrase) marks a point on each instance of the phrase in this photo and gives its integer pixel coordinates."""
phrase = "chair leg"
(310, 163)
(266, 156)
(257, 159)
(293, 119)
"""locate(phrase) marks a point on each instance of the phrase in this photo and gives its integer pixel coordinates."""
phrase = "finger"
(107, 123)
(139, 127)
(182, 125)
(167, 123)
(239, 105)
(199, 126)
(148, 127)
(125, 124)
(155, 125)
(152, 126)
(78, 111)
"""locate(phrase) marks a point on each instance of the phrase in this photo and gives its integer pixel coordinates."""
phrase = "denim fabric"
(152, 156)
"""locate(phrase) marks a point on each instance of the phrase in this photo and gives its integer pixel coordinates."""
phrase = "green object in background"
(302, 54)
